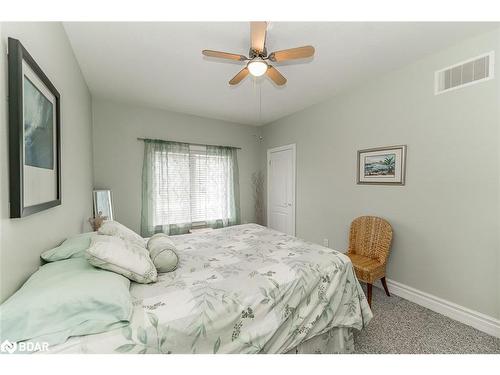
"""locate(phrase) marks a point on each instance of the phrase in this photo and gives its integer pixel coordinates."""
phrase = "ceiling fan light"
(257, 67)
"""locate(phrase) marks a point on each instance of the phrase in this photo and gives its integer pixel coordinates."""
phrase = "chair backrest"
(370, 236)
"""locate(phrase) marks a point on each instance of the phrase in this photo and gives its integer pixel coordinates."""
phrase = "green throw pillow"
(73, 247)
(163, 253)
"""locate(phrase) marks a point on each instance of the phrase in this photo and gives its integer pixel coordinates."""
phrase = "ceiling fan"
(258, 61)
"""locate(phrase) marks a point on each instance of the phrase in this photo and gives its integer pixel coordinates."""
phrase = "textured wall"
(22, 240)
(446, 218)
(118, 155)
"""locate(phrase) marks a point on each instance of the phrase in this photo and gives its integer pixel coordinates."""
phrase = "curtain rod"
(190, 143)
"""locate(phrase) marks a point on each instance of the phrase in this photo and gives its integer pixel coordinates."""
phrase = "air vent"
(464, 74)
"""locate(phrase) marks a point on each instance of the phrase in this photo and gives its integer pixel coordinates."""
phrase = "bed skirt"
(336, 341)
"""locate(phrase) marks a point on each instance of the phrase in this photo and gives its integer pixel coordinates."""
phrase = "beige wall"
(118, 155)
(22, 240)
(446, 218)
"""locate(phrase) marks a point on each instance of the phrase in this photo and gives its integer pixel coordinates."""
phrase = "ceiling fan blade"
(292, 53)
(258, 35)
(223, 55)
(276, 76)
(239, 77)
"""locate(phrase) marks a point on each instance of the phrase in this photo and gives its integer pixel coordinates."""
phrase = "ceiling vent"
(466, 73)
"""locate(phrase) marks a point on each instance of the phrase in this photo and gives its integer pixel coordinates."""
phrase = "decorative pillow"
(126, 258)
(163, 253)
(73, 247)
(64, 299)
(114, 228)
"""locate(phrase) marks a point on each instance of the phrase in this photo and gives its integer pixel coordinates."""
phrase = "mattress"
(241, 289)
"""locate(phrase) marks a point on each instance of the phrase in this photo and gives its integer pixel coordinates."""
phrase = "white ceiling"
(160, 64)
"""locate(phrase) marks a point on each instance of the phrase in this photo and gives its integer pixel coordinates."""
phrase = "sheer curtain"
(184, 184)
(222, 198)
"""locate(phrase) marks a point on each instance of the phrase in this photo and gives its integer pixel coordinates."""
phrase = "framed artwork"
(382, 166)
(34, 136)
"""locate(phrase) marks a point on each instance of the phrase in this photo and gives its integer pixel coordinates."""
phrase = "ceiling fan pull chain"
(260, 104)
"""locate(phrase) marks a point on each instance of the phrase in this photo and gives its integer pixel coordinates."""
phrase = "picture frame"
(382, 166)
(103, 203)
(34, 135)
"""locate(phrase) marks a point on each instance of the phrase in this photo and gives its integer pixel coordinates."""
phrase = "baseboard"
(480, 321)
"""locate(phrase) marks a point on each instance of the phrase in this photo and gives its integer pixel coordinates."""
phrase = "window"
(185, 184)
(171, 189)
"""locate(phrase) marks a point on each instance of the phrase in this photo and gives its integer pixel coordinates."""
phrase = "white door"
(281, 189)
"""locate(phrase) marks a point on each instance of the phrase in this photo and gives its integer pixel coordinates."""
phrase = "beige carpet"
(403, 327)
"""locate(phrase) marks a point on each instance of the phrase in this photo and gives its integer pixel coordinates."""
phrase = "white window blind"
(193, 186)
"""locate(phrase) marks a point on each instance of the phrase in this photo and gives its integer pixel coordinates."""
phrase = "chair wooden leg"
(385, 286)
(369, 296)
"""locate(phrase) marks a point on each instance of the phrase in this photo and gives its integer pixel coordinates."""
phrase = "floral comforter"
(242, 289)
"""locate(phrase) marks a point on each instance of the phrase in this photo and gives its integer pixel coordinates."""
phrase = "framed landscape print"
(383, 165)
(34, 136)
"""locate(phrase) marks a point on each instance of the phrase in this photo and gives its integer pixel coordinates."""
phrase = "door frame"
(294, 176)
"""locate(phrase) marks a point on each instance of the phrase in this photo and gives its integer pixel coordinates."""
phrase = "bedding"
(123, 257)
(73, 247)
(114, 228)
(163, 253)
(63, 299)
(336, 340)
(241, 289)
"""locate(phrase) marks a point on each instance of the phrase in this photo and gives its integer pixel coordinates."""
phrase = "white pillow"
(163, 253)
(126, 258)
(114, 228)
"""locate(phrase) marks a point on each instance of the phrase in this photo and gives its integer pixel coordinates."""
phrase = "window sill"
(200, 230)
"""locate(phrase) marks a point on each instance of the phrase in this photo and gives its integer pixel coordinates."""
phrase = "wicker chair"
(369, 245)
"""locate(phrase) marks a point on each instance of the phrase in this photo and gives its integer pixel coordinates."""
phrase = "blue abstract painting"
(38, 128)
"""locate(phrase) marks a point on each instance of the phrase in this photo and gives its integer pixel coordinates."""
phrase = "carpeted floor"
(402, 327)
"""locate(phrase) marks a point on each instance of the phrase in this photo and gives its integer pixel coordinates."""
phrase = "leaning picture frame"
(34, 135)
(382, 166)
(103, 203)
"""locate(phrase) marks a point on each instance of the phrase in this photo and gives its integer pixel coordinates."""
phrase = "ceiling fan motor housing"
(253, 53)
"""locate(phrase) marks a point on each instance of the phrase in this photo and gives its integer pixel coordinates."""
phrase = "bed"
(241, 289)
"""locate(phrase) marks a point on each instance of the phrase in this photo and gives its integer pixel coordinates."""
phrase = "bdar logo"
(8, 347)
